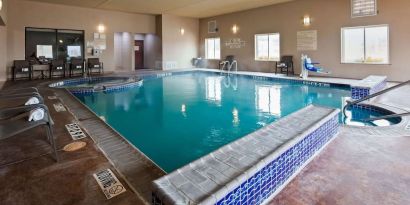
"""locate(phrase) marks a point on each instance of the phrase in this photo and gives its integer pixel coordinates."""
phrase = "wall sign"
(307, 40)
(235, 43)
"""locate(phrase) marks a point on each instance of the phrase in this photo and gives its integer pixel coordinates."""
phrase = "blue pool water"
(177, 119)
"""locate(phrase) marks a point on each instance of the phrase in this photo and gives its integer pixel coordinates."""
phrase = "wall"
(3, 42)
(123, 51)
(328, 18)
(152, 49)
(178, 50)
(23, 14)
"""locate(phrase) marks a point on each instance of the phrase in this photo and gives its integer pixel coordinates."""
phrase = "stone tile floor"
(368, 167)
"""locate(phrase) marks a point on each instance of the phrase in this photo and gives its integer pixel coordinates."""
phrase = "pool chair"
(21, 67)
(77, 67)
(19, 91)
(285, 65)
(94, 66)
(16, 100)
(14, 121)
(57, 66)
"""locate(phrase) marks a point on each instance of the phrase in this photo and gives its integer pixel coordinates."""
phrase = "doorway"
(139, 54)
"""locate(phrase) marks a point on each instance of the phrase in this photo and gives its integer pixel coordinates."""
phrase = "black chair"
(95, 64)
(285, 65)
(57, 66)
(22, 67)
(77, 64)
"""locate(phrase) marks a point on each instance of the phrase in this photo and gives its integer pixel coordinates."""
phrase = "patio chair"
(57, 66)
(19, 91)
(16, 100)
(77, 64)
(21, 67)
(285, 65)
(14, 121)
(95, 64)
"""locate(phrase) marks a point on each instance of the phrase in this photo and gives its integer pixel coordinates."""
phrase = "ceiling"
(189, 8)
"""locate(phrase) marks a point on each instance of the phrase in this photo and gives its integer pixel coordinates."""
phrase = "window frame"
(206, 49)
(256, 50)
(364, 51)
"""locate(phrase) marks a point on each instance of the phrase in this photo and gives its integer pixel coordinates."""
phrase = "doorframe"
(143, 52)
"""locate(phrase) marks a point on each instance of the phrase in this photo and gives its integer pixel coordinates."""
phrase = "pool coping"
(162, 173)
(110, 142)
(172, 188)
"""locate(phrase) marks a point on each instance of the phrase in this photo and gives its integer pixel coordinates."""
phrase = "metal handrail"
(386, 117)
(373, 95)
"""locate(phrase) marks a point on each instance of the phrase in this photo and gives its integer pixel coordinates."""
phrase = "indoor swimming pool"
(175, 119)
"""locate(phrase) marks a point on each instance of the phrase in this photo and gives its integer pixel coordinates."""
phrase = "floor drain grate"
(59, 107)
(75, 131)
(109, 183)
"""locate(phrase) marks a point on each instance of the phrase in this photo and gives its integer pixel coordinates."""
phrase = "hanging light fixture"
(1, 4)
(182, 31)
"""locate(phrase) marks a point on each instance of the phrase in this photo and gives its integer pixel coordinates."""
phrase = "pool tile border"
(260, 181)
(368, 86)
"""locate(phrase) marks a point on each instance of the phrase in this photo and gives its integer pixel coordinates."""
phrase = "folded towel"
(32, 101)
(36, 114)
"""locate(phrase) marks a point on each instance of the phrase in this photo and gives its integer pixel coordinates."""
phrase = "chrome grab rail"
(375, 95)
(386, 117)
(229, 65)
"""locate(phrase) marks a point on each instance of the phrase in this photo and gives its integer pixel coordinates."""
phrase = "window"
(267, 47)
(362, 8)
(213, 48)
(44, 51)
(366, 45)
(54, 43)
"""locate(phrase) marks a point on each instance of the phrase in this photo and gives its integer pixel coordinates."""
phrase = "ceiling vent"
(212, 27)
(362, 8)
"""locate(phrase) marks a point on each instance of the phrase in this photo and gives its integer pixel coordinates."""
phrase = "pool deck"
(361, 166)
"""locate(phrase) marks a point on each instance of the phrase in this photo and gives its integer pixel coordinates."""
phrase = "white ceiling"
(189, 8)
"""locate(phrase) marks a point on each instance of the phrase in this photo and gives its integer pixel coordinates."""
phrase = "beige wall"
(152, 49)
(23, 14)
(3, 42)
(176, 48)
(328, 18)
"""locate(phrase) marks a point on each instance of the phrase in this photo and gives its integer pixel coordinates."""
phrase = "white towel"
(36, 114)
(32, 101)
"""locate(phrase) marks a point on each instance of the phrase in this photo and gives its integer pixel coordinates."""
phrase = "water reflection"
(268, 99)
(230, 81)
(213, 88)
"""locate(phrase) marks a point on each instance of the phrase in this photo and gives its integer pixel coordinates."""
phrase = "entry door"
(139, 54)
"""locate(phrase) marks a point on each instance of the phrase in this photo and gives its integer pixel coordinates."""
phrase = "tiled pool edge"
(129, 162)
(368, 86)
(253, 76)
(269, 175)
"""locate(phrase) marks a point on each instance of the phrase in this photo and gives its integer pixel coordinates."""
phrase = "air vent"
(362, 8)
(212, 27)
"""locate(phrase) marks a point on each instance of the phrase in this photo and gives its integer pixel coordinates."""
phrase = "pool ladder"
(229, 66)
(350, 103)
